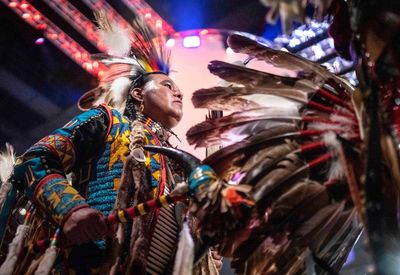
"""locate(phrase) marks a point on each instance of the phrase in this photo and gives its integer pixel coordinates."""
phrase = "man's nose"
(177, 93)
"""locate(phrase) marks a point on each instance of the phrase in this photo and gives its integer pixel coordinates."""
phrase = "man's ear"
(137, 94)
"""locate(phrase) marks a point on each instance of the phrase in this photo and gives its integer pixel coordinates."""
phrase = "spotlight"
(191, 41)
(39, 41)
(170, 43)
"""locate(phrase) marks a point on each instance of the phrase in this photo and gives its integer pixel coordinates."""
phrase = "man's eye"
(169, 86)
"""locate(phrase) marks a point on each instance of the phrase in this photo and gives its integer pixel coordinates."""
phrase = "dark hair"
(131, 104)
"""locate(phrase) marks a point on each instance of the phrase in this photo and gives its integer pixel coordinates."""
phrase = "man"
(136, 104)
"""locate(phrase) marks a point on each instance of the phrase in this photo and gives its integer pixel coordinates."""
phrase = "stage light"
(191, 41)
(78, 55)
(12, 4)
(147, 15)
(39, 41)
(204, 32)
(170, 43)
(26, 16)
(159, 24)
(24, 6)
(229, 51)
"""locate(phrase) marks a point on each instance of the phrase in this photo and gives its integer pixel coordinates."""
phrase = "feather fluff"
(336, 169)
(48, 261)
(7, 161)
(185, 253)
(14, 248)
(115, 38)
(118, 93)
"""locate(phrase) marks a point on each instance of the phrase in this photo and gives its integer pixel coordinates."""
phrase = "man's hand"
(85, 225)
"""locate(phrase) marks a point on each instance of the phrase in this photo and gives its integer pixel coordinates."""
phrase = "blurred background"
(45, 66)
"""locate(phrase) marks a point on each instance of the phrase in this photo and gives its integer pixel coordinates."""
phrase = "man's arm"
(40, 173)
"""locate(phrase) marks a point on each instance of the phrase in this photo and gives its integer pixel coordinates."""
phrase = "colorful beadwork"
(60, 146)
(56, 194)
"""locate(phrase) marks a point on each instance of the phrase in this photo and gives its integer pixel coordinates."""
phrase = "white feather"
(329, 127)
(336, 170)
(271, 101)
(48, 261)
(119, 93)
(341, 119)
(185, 253)
(116, 40)
(7, 161)
(14, 249)
(119, 60)
(331, 140)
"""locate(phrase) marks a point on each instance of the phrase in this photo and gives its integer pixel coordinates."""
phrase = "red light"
(78, 55)
(147, 15)
(26, 16)
(12, 4)
(95, 65)
(100, 74)
(52, 36)
(41, 26)
(89, 66)
(158, 24)
(37, 17)
(24, 6)
(85, 56)
(203, 32)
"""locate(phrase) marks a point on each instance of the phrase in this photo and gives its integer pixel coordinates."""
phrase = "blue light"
(188, 15)
(191, 41)
(271, 31)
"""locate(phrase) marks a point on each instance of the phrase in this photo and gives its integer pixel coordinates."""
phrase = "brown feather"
(231, 98)
(263, 161)
(302, 67)
(228, 128)
(255, 78)
(223, 159)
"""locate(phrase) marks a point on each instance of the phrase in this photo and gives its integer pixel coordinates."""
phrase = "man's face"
(162, 100)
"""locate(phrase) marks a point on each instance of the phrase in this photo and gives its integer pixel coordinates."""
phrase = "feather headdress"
(131, 54)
